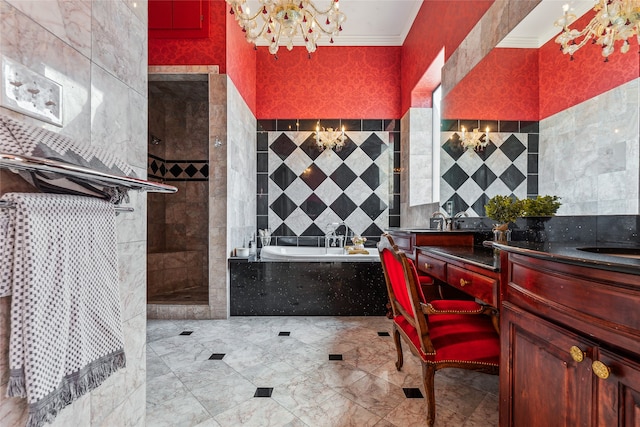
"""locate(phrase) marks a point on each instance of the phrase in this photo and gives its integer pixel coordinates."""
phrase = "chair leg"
(396, 339)
(428, 378)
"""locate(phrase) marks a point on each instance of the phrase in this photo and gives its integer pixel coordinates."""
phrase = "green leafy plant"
(541, 206)
(504, 209)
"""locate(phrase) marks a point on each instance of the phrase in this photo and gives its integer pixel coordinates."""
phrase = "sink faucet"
(444, 223)
(457, 216)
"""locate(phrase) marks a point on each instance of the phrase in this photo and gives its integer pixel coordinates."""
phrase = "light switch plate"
(25, 91)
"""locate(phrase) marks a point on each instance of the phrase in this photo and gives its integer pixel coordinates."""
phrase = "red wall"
(337, 82)
(206, 51)
(503, 86)
(565, 83)
(241, 63)
(447, 23)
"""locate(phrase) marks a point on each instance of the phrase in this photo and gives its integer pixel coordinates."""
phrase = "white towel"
(60, 265)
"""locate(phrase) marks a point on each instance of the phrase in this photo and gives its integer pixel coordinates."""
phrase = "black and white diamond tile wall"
(311, 188)
(470, 178)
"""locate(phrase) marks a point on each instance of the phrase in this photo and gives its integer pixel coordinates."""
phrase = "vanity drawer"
(432, 266)
(474, 284)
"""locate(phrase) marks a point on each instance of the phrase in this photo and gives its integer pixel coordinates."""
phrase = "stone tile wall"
(102, 68)
(590, 154)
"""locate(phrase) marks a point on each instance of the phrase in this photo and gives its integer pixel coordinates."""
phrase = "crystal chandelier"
(474, 139)
(330, 138)
(278, 22)
(615, 20)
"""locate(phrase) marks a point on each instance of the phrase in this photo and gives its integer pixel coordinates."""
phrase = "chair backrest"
(403, 287)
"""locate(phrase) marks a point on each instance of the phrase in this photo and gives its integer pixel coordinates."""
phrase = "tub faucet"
(345, 237)
(331, 239)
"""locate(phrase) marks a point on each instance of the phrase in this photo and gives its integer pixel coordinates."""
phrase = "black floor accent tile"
(216, 356)
(412, 393)
(384, 334)
(263, 392)
(284, 334)
(335, 357)
(186, 332)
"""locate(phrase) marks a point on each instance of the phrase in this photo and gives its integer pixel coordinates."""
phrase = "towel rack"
(92, 176)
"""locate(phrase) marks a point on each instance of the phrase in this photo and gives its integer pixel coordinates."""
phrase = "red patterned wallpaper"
(565, 83)
(503, 86)
(207, 51)
(447, 23)
(338, 81)
(241, 63)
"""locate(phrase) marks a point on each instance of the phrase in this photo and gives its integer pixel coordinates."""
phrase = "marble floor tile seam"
(372, 356)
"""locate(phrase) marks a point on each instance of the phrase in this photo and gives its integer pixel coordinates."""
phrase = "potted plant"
(541, 206)
(503, 209)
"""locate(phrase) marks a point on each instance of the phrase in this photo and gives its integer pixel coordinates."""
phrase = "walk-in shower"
(178, 154)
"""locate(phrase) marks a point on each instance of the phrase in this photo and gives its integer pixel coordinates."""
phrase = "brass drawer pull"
(601, 370)
(576, 354)
(427, 265)
(464, 283)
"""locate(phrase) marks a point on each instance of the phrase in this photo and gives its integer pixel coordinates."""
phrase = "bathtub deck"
(307, 289)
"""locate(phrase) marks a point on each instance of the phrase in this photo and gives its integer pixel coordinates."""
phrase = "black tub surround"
(269, 288)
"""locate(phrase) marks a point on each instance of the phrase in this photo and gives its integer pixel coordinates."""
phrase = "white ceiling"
(369, 22)
(387, 22)
(539, 26)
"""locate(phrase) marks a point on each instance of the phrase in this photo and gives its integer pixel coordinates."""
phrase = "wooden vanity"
(570, 332)
(451, 258)
(569, 326)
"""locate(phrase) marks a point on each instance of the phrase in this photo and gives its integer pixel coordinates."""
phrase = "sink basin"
(614, 251)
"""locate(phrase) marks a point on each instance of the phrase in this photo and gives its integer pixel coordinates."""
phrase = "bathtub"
(310, 254)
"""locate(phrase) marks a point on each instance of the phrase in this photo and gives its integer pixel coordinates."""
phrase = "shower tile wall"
(507, 166)
(300, 189)
(177, 223)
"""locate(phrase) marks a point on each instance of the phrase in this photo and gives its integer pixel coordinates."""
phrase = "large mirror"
(556, 126)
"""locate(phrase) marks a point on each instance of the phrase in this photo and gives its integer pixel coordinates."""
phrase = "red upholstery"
(425, 280)
(457, 337)
(396, 277)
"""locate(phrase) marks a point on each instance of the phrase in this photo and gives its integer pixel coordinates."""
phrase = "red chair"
(443, 333)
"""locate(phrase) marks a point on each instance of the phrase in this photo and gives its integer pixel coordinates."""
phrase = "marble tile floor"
(299, 371)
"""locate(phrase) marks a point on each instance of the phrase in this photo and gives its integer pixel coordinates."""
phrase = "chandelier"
(330, 138)
(278, 22)
(615, 20)
(474, 139)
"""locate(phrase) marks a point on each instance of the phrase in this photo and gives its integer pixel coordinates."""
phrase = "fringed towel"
(59, 263)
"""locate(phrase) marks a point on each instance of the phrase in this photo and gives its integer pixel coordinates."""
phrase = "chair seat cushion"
(465, 338)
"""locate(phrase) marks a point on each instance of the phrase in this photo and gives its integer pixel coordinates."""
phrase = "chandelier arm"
(320, 26)
(241, 15)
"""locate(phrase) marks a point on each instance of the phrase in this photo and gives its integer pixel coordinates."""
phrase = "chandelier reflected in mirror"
(615, 20)
(284, 22)
(330, 138)
(474, 139)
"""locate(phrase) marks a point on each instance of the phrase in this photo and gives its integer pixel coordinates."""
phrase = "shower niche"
(178, 154)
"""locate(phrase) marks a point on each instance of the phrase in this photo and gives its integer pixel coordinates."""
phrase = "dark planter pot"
(536, 228)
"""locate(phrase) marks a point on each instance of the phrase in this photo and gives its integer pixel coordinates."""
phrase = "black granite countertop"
(483, 257)
(595, 257)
